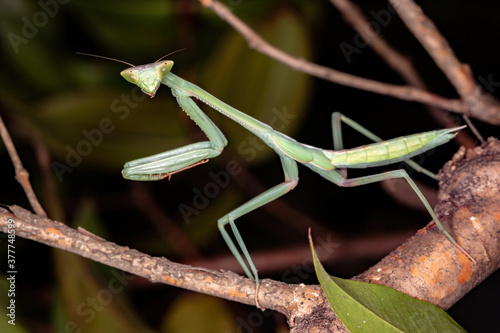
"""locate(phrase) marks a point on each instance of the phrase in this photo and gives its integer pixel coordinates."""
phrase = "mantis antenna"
(112, 59)
(124, 62)
(166, 55)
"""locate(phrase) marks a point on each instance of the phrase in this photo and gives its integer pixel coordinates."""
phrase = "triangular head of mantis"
(148, 77)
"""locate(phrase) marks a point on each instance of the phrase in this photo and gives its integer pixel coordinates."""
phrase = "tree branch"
(479, 104)
(406, 93)
(468, 206)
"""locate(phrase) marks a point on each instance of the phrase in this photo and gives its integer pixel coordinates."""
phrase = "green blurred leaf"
(257, 85)
(103, 128)
(92, 305)
(151, 24)
(25, 45)
(368, 307)
(192, 313)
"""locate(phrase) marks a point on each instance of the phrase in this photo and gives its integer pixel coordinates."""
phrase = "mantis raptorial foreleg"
(165, 164)
(327, 163)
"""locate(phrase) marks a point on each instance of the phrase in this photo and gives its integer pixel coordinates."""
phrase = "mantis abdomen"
(390, 151)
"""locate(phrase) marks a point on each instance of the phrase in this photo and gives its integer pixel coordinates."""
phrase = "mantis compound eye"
(164, 67)
(130, 75)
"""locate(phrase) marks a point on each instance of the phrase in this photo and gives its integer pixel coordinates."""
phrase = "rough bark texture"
(428, 266)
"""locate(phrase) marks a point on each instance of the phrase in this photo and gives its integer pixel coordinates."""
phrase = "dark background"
(49, 97)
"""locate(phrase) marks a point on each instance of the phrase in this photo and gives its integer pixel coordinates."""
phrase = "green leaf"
(103, 128)
(367, 307)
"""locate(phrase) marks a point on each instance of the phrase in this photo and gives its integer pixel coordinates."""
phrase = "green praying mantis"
(330, 164)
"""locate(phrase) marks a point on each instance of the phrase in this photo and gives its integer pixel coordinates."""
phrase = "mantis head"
(148, 77)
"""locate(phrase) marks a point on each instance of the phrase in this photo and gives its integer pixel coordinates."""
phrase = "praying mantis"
(330, 164)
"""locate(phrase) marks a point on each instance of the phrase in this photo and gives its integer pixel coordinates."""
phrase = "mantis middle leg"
(290, 171)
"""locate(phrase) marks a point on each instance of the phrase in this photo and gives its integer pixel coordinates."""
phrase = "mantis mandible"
(324, 162)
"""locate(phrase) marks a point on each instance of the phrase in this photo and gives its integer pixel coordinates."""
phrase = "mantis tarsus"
(324, 162)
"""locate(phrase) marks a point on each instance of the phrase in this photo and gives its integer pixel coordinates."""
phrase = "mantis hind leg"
(291, 179)
(338, 117)
(402, 174)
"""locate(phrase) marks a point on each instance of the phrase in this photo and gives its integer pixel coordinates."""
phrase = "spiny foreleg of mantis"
(165, 164)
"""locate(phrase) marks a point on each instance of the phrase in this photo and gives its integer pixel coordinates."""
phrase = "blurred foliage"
(92, 121)
(208, 309)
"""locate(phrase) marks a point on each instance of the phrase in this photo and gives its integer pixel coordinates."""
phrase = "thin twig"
(407, 93)
(22, 176)
(473, 128)
(479, 104)
(400, 63)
